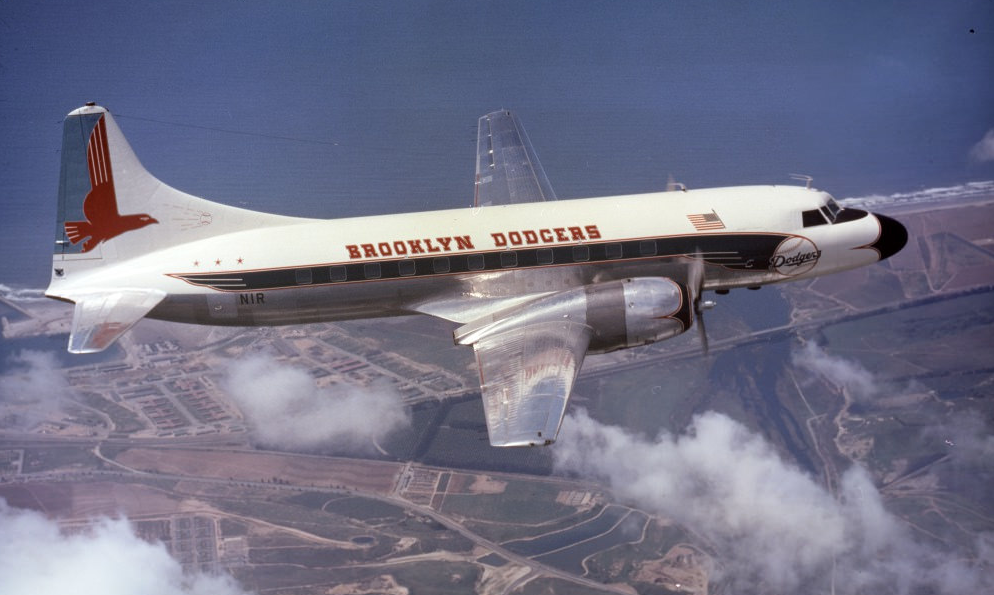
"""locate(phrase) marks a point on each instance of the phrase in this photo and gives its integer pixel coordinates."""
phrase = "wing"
(507, 169)
(100, 318)
(526, 375)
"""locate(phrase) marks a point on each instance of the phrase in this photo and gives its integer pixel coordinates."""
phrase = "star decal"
(217, 262)
(240, 261)
(196, 263)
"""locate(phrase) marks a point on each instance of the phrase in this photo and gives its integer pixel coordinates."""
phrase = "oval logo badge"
(795, 256)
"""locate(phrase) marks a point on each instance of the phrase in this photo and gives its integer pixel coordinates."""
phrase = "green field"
(522, 502)
(501, 532)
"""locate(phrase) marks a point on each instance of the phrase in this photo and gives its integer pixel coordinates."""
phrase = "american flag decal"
(706, 221)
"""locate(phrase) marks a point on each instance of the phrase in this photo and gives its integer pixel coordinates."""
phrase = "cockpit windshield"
(832, 209)
(830, 212)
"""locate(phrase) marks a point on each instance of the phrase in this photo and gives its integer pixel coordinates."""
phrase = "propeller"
(699, 307)
(695, 281)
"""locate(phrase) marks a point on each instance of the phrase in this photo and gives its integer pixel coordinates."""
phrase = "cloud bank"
(36, 558)
(959, 192)
(774, 528)
(22, 294)
(287, 410)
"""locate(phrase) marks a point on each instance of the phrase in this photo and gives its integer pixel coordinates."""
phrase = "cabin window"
(338, 273)
(440, 265)
(406, 268)
(372, 270)
(612, 251)
(812, 218)
(304, 276)
(581, 253)
(508, 259)
(544, 256)
(647, 247)
(475, 262)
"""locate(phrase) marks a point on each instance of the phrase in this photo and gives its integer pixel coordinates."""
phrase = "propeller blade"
(702, 332)
(695, 280)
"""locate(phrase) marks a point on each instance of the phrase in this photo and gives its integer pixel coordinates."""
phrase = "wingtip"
(538, 440)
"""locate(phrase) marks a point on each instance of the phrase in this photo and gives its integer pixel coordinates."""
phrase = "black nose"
(893, 237)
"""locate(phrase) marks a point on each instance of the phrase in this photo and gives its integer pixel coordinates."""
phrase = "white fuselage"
(431, 262)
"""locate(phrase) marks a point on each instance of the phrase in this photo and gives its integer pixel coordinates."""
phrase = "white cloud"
(959, 192)
(35, 558)
(35, 386)
(22, 294)
(775, 529)
(983, 151)
(859, 382)
(288, 410)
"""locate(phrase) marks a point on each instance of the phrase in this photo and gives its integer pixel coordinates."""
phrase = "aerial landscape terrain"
(352, 458)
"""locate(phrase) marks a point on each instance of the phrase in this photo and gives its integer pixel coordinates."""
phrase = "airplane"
(533, 282)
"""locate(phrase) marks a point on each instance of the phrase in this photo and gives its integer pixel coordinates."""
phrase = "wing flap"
(507, 169)
(101, 317)
(526, 375)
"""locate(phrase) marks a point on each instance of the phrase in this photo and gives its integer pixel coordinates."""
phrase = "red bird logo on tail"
(103, 220)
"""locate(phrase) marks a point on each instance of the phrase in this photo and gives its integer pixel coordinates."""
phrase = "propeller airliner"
(535, 283)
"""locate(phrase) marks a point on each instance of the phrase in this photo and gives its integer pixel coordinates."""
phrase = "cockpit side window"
(813, 217)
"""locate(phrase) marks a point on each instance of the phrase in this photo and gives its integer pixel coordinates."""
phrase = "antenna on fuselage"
(672, 185)
(806, 178)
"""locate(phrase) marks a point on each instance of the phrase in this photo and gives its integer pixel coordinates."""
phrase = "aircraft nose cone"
(893, 237)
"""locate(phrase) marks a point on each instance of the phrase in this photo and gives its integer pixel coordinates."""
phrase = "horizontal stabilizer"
(101, 317)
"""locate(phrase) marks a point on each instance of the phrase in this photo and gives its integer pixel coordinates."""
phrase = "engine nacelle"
(621, 314)
(636, 312)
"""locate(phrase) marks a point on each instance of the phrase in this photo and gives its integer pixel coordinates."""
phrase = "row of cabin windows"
(474, 262)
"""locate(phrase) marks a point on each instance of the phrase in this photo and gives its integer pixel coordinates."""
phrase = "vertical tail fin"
(111, 210)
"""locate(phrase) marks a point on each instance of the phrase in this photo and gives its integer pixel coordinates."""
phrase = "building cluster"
(172, 390)
(418, 484)
(191, 539)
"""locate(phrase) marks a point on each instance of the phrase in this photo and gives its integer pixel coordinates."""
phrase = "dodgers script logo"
(103, 220)
(795, 256)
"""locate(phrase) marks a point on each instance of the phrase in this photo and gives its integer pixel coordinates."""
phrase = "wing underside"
(526, 375)
(507, 169)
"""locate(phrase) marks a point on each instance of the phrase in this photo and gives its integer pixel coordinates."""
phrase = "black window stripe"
(736, 251)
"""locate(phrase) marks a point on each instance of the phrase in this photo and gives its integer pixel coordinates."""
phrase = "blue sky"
(868, 97)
